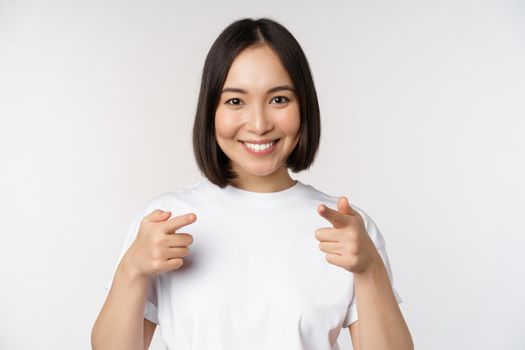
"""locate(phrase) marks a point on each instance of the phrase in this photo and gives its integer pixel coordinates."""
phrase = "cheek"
(226, 124)
(289, 121)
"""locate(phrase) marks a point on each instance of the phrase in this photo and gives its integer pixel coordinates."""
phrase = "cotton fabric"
(255, 277)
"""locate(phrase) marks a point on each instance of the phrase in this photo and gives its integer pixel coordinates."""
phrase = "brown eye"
(281, 97)
(233, 99)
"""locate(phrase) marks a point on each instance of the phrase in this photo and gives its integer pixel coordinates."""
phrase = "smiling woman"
(259, 132)
(262, 272)
(256, 88)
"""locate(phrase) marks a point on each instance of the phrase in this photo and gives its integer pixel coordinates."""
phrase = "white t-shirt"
(255, 277)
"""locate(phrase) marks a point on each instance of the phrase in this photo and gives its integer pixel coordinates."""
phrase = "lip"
(256, 142)
(261, 153)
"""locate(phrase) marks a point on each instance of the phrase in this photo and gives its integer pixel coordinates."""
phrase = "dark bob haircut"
(211, 160)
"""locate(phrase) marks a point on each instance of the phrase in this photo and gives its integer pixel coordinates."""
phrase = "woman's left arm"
(381, 323)
(348, 245)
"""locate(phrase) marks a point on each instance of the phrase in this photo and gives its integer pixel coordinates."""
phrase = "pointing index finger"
(336, 218)
(174, 224)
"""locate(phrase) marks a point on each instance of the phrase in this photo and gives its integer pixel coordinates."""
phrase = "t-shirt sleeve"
(379, 242)
(150, 308)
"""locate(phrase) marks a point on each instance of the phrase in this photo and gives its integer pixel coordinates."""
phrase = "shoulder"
(181, 198)
(181, 193)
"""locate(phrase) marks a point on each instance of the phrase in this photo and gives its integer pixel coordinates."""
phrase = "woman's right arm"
(121, 322)
(155, 250)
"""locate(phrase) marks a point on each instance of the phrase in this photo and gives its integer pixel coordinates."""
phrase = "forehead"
(257, 68)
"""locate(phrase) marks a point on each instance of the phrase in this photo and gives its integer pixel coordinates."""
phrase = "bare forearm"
(121, 321)
(381, 323)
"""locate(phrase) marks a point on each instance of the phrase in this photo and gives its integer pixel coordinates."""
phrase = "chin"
(259, 171)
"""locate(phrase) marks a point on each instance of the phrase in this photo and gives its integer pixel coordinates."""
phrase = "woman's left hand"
(347, 243)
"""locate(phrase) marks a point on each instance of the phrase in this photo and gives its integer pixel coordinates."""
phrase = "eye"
(281, 97)
(233, 99)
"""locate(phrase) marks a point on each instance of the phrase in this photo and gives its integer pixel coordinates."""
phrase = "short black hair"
(213, 163)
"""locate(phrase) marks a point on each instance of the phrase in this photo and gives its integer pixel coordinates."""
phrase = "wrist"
(128, 271)
(375, 266)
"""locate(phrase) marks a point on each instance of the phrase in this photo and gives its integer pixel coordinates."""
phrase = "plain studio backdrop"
(423, 124)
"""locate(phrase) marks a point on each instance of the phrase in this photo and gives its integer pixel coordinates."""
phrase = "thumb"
(159, 215)
(344, 206)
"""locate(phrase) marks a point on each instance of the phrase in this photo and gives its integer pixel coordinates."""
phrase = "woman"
(271, 264)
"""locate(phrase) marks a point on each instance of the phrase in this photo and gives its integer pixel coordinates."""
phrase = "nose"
(259, 121)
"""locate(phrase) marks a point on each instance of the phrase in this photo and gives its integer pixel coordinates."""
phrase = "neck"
(275, 182)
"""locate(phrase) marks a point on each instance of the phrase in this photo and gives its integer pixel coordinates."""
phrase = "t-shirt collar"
(258, 200)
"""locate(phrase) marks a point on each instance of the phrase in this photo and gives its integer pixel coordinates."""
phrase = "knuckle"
(158, 241)
(178, 240)
(185, 251)
(177, 252)
(178, 262)
(156, 266)
(156, 254)
(151, 215)
(184, 239)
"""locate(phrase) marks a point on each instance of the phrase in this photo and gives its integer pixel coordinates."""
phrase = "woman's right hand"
(158, 246)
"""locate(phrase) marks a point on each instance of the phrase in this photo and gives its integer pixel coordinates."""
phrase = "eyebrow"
(274, 89)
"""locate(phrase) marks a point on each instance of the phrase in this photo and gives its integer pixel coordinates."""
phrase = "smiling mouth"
(259, 142)
(260, 148)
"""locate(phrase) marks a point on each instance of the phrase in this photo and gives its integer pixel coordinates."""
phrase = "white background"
(423, 124)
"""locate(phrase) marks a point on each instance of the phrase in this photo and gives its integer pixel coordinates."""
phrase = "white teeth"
(259, 148)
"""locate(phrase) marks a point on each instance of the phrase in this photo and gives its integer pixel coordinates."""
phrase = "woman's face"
(257, 103)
